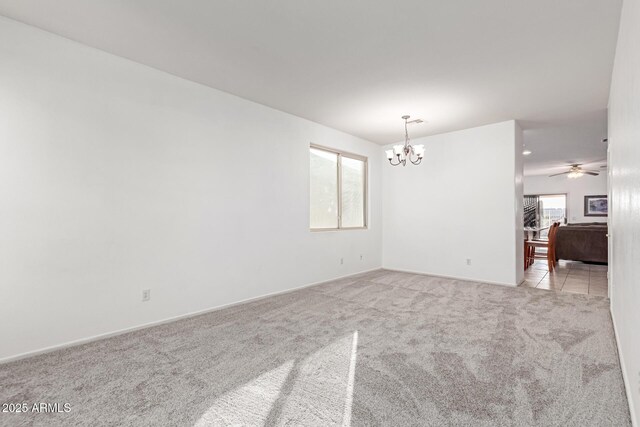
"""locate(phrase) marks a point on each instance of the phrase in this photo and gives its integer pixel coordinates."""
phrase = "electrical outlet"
(146, 294)
(361, 257)
(341, 261)
(468, 261)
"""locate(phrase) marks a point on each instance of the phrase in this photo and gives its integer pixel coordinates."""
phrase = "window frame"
(340, 154)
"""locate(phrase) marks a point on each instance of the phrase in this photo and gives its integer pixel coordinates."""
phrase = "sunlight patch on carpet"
(316, 390)
(250, 404)
(323, 389)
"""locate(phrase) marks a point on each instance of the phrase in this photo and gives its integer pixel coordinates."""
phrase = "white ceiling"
(359, 65)
(554, 146)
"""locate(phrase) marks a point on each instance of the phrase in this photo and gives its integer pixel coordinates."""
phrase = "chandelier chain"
(406, 132)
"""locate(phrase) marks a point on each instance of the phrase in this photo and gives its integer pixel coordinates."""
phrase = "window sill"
(315, 230)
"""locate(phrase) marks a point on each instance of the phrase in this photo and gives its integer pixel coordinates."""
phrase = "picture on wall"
(596, 206)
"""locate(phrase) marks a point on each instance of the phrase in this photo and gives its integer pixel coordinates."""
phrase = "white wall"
(115, 177)
(462, 202)
(575, 189)
(624, 222)
(519, 199)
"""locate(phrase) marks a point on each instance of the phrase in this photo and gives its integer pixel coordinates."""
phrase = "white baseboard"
(466, 279)
(167, 320)
(625, 377)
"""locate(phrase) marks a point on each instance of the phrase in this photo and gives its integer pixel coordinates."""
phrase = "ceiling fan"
(576, 171)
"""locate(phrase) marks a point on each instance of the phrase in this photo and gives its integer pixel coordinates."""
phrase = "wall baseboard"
(625, 377)
(466, 279)
(106, 335)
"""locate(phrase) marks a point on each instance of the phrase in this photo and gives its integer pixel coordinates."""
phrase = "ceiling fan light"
(574, 174)
(526, 152)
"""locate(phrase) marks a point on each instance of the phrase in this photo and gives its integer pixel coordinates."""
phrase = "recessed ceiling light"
(526, 152)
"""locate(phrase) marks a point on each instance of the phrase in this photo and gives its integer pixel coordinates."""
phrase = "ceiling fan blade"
(590, 170)
(561, 173)
(591, 173)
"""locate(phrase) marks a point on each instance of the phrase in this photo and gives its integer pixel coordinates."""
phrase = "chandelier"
(402, 153)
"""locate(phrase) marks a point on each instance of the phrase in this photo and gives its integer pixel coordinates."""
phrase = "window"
(542, 210)
(338, 189)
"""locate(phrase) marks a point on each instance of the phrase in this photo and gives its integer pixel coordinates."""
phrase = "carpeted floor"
(383, 348)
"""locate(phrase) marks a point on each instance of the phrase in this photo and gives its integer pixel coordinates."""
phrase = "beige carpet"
(383, 348)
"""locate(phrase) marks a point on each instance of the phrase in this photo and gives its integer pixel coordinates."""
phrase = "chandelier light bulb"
(389, 154)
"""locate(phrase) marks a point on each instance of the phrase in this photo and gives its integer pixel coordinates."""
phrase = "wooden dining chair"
(550, 255)
(528, 260)
(552, 245)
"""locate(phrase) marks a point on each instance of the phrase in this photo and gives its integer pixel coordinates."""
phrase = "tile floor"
(568, 276)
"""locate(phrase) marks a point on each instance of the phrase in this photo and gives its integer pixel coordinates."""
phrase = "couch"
(586, 242)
